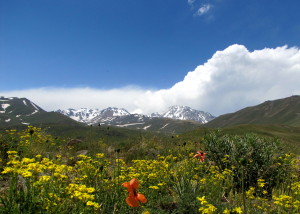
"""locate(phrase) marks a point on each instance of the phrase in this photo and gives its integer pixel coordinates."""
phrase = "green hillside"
(22, 112)
(162, 125)
(282, 111)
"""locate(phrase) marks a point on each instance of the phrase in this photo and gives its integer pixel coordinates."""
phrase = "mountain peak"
(83, 115)
(187, 113)
(114, 111)
(17, 111)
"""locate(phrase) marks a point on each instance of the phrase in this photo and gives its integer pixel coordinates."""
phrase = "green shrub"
(249, 156)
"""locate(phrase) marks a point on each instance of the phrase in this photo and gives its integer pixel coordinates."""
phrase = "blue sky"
(137, 46)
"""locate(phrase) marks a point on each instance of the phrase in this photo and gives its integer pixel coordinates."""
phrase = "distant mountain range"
(177, 119)
(185, 113)
(284, 111)
(121, 117)
(21, 112)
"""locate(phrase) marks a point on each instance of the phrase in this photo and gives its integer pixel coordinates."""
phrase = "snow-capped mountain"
(84, 115)
(113, 115)
(91, 116)
(187, 113)
(109, 114)
(17, 110)
(21, 111)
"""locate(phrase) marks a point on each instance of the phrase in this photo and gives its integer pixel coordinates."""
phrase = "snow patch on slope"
(146, 127)
(164, 126)
(4, 106)
(130, 124)
(37, 109)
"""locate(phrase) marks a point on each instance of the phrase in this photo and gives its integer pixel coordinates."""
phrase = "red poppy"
(133, 196)
(200, 154)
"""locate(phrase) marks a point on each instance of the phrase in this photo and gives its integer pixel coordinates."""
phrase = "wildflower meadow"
(221, 174)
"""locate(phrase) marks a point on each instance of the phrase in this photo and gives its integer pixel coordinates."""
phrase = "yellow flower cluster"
(151, 172)
(261, 182)
(28, 167)
(296, 188)
(81, 192)
(88, 167)
(250, 193)
(51, 202)
(93, 204)
(287, 202)
(206, 208)
(217, 175)
(283, 200)
(234, 210)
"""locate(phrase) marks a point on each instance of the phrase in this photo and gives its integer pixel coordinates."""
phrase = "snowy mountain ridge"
(187, 113)
(110, 114)
(89, 116)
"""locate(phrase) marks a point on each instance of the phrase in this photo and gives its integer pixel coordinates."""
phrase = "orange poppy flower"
(133, 196)
(200, 154)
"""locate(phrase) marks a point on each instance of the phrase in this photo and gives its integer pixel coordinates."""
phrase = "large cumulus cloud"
(232, 79)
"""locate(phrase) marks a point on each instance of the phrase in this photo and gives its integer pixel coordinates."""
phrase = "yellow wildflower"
(250, 192)
(100, 155)
(261, 182)
(226, 211)
(26, 174)
(93, 204)
(153, 187)
(238, 210)
(12, 152)
(7, 170)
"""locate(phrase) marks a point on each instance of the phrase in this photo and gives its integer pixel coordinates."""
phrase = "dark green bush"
(249, 156)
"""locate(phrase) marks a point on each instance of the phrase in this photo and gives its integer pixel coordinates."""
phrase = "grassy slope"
(283, 111)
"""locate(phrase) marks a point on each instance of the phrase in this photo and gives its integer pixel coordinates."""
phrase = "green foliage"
(251, 158)
(44, 174)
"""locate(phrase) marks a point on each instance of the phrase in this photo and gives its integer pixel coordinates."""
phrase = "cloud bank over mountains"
(232, 79)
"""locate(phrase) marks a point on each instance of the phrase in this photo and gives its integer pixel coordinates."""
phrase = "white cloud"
(191, 2)
(62, 98)
(232, 79)
(203, 9)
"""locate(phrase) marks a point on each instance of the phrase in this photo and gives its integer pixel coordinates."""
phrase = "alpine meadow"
(149, 107)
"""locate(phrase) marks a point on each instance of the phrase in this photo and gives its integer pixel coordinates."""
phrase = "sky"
(216, 56)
